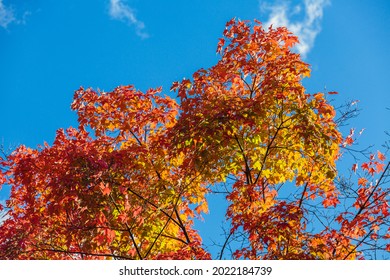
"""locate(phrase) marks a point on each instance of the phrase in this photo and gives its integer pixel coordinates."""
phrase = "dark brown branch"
(78, 253)
(224, 245)
(128, 230)
(154, 205)
(357, 245)
(303, 195)
(267, 152)
(247, 168)
(182, 227)
(165, 225)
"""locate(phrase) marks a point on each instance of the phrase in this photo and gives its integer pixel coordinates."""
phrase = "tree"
(133, 189)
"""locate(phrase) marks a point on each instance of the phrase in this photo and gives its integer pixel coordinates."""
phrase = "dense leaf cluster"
(130, 180)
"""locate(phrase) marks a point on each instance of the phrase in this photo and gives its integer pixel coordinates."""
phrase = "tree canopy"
(129, 182)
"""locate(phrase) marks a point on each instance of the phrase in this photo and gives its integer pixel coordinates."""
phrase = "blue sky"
(48, 49)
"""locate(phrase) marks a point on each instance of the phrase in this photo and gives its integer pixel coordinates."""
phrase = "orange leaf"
(105, 188)
(381, 156)
(362, 182)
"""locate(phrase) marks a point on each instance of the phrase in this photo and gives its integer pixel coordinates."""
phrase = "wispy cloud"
(306, 26)
(120, 11)
(6, 15)
(3, 214)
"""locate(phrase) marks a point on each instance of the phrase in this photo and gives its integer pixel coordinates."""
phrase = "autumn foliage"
(129, 182)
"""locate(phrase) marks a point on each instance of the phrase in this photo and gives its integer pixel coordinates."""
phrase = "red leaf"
(105, 189)
(220, 45)
(365, 166)
(122, 217)
(339, 219)
(175, 86)
(348, 141)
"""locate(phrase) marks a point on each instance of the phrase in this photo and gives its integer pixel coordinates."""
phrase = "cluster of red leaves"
(115, 195)
(371, 204)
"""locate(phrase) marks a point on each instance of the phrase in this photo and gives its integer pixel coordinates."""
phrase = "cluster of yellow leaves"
(255, 123)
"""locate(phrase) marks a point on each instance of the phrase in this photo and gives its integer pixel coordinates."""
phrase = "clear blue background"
(49, 48)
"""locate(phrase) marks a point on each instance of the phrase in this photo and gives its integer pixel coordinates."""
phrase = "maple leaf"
(330, 201)
(365, 166)
(105, 188)
(379, 167)
(362, 181)
(122, 217)
(220, 45)
(381, 157)
(175, 86)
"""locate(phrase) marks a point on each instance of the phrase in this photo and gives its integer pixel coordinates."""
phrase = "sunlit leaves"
(130, 180)
(255, 122)
(116, 194)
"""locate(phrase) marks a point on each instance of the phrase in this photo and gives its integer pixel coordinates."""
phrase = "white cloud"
(3, 214)
(306, 28)
(6, 15)
(120, 11)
